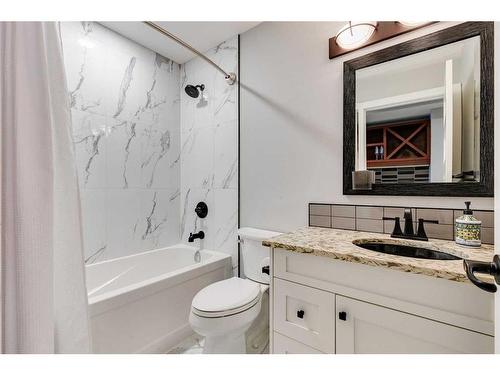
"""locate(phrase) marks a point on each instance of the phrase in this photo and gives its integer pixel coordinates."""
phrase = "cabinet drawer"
(305, 314)
(285, 345)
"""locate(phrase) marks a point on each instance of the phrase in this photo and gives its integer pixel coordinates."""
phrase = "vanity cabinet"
(321, 305)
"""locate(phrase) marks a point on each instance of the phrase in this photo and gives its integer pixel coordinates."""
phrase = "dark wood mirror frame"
(483, 188)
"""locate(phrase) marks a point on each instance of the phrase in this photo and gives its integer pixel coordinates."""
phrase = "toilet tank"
(254, 256)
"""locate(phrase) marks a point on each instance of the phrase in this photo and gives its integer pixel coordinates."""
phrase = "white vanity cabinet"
(321, 305)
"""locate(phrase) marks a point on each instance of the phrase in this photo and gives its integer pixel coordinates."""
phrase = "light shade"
(412, 23)
(354, 35)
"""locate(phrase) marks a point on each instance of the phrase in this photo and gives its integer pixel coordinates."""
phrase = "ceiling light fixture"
(354, 35)
(412, 23)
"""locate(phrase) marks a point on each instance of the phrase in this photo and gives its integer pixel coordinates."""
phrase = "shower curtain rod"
(229, 77)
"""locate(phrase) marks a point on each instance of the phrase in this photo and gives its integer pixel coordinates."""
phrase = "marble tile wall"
(209, 151)
(126, 128)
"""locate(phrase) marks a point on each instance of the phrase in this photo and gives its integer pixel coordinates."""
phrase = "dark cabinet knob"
(300, 314)
(343, 315)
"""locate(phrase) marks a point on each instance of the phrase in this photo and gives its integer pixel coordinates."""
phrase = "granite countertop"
(337, 244)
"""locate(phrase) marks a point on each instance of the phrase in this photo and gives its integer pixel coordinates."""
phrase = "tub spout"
(193, 236)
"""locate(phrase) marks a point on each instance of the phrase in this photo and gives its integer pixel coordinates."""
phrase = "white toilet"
(223, 311)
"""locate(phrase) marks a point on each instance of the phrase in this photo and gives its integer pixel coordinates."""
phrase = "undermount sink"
(404, 250)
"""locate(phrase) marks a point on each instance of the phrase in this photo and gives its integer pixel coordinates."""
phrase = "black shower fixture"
(194, 91)
(201, 210)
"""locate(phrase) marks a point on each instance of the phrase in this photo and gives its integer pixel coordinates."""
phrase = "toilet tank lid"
(256, 234)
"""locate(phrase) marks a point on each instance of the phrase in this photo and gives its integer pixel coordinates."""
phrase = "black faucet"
(409, 232)
(193, 236)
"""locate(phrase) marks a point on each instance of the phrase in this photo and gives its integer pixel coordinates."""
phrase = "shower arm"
(229, 77)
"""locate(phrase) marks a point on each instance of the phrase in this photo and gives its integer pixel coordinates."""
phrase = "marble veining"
(94, 257)
(127, 78)
(132, 135)
(338, 244)
(91, 142)
(209, 151)
(164, 146)
(125, 103)
(146, 152)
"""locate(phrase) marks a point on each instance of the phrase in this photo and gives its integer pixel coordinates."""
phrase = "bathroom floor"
(191, 345)
(194, 345)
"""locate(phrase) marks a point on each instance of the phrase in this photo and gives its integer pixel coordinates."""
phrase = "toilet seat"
(226, 297)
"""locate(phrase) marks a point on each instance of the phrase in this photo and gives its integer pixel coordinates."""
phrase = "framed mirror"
(419, 115)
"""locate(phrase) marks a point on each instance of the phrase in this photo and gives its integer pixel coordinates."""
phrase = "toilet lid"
(225, 296)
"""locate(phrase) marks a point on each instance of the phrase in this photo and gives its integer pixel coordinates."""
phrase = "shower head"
(192, 91)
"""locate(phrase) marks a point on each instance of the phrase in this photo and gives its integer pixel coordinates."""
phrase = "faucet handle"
(390, 218)
(407, 213)
(421, 230)
(428, 221)
(396, 232)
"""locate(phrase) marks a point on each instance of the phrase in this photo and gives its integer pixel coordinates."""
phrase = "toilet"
(222, 312)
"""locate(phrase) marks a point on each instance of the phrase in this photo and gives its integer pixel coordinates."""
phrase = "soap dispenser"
(468, 228)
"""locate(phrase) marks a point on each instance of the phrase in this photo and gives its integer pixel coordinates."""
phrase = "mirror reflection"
(418, 116)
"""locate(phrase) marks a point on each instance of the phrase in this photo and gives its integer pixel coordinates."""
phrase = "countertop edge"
(445, 274)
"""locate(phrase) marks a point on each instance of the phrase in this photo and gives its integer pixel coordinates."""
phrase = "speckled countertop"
(337, 244)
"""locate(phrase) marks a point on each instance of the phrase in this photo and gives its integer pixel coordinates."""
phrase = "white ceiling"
(200, 35)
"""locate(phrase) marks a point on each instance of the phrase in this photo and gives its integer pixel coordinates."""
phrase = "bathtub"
(140, 303)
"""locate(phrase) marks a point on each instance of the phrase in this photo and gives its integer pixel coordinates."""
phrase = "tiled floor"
(191, 345)
(194, 345)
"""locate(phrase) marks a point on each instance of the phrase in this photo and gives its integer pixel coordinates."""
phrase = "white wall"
(291, 125)
(436, 171)
(379, 85)
(209, 153)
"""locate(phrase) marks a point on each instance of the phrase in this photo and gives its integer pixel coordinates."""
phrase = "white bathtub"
(140, 303)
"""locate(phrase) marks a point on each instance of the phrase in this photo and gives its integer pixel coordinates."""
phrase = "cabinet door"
(374, 329)
(304, 314)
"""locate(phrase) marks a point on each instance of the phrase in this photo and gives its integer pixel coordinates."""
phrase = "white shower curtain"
(43, 280)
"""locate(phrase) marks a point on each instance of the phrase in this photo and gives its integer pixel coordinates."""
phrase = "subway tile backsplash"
(320, 209)
(367, 212)
(320, 221)
(343, 211)
(443, 216)
(369, 219)
(370, 225)
(344, 223)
